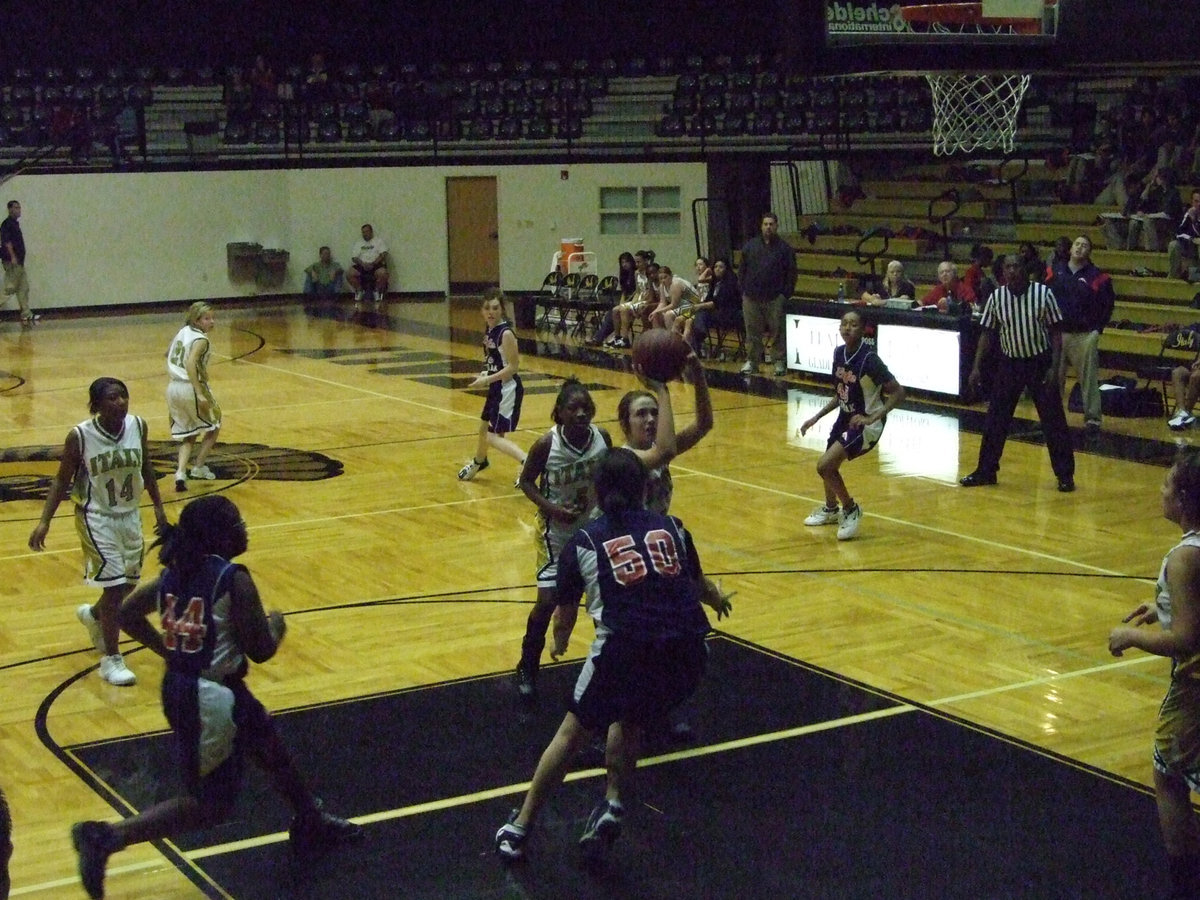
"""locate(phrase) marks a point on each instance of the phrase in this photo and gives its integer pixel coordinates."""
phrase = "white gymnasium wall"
(108, 239)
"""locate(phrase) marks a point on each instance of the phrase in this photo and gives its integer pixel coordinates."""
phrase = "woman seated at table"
(892, 286)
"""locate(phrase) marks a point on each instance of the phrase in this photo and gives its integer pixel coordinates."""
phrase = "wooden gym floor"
(927, 710)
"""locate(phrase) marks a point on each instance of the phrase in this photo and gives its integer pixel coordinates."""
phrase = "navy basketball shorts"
(637, 681)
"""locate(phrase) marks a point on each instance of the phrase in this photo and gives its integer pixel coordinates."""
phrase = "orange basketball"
(660, 353)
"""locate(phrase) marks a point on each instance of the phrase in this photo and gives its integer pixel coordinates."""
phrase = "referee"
(1025, 317)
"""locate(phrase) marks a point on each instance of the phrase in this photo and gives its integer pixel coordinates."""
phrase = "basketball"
(660, 353)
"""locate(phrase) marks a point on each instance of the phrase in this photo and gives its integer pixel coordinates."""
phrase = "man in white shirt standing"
(368, 268)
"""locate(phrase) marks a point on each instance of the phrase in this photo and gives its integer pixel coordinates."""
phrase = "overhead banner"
(855, 19)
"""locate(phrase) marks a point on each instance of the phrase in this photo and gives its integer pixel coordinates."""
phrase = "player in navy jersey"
(212, 621)
(643, 584)
(864, 393)
(502, 409)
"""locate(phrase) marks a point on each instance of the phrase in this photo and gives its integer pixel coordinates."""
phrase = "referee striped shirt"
(1023, 320)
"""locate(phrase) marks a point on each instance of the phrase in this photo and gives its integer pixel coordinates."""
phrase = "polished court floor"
(927, 710)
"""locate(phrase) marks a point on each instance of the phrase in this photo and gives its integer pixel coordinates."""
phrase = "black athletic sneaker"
(602, 829)
(526, 682)
(511, 838)
(318, 832)
(95, 842)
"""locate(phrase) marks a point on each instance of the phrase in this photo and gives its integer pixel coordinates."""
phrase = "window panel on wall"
(652, 209)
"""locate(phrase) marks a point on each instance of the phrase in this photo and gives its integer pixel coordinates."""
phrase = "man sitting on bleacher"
(1184, 249)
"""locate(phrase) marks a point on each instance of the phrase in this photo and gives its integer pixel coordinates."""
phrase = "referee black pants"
(1010, 378)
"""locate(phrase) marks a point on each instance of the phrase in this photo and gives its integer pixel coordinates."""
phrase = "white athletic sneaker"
(823, 516)
(114, 671)
(202, 473)
(471, 469)
(1181, 420)
(848, 527)
(88, 621)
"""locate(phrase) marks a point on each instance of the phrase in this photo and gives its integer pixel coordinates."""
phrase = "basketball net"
(973, 111)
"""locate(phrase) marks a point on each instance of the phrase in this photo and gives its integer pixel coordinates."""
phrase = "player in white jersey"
(190, 402)
(558, 478)
(1176, 609)
(648, 423)
(105, 466)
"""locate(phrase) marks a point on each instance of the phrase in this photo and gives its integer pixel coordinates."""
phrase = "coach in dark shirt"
(768, 275)
(1024, 319)
(12, 255)
(1085, 297)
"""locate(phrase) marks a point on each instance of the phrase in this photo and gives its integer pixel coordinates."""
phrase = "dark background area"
(188, 32)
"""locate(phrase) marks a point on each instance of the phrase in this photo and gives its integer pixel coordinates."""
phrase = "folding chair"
(590, 306)
(548, 300)
(1180, 347)
(721, 332)
(568, 301)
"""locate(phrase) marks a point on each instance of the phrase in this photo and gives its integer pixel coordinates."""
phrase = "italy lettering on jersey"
(859, 379)
(567, 477)
(109, 480)
(493, 354)
(181, 348)
(196, 621)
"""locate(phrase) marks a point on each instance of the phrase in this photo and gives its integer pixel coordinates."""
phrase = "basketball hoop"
(973, 110)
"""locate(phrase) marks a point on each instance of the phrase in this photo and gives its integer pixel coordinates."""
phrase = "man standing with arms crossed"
(12, 253)
(768, 275)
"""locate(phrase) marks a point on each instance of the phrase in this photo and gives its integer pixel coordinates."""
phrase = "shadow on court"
(894, 802)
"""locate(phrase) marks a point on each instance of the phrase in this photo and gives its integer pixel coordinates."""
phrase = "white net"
(973, 111)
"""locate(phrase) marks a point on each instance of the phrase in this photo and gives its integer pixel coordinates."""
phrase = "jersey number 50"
(628, 564)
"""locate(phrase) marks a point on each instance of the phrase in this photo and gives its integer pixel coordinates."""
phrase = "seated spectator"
(725, 312)
(892, 286)
(264, 87)
(950, 294)
(316, 80)
(1090, 174)
(1158, 211)
(324, 277)
(1182, 252)
(675, 295)
(1031, 260)
(368, 268)
(978, 275)
(703, 276)
(627, 282)
(644, 299)
(1185, 386)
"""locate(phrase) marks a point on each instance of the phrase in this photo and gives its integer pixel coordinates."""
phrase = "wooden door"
(472, 233)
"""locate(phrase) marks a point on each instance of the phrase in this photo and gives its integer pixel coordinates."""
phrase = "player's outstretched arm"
(140, 603)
